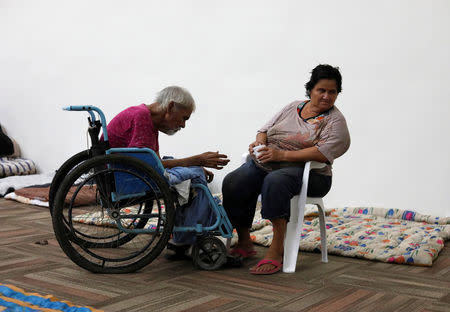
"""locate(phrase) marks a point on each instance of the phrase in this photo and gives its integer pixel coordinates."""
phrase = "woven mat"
(387, 235)
(15, 299)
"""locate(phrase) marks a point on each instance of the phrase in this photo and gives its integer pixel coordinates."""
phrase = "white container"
(256, 150)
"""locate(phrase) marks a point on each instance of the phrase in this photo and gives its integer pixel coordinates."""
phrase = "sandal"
(277, 267)
(242, 253)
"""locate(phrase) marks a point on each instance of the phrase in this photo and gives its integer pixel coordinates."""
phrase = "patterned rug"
(380, 234)
(15, 299)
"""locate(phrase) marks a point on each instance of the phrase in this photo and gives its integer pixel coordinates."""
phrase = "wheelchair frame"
(114, 172)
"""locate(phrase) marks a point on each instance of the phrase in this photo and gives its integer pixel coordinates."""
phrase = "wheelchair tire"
(62, 172)
(87, 231)
(209, 253)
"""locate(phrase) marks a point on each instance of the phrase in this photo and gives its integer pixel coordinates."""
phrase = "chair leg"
(293, 235)
(323, 231)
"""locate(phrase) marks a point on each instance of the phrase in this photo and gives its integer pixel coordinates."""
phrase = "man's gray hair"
(182, 98)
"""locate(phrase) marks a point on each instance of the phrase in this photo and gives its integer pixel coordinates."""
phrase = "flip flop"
(241, 252)
(277, 267)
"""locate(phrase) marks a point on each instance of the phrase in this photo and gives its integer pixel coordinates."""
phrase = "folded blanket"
(39, 195)
(12, 183)
(180, 178)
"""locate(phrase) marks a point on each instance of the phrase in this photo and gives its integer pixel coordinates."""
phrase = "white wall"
(242, 61)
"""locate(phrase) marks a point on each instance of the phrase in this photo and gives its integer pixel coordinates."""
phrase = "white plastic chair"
(295, 225)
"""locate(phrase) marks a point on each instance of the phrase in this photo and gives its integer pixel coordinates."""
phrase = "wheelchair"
(113, 211)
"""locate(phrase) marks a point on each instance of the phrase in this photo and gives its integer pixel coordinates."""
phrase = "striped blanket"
(16, 166)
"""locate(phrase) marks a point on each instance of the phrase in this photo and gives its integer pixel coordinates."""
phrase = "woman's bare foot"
(244, 247)
(243, 250)
(274, 259)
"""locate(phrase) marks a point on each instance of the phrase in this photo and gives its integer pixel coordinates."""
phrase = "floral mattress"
(387, 235)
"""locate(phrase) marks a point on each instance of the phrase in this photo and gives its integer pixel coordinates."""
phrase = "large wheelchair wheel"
(103, 229)
(62, 172)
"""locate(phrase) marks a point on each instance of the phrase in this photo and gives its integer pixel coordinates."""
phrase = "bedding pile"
(11, 164)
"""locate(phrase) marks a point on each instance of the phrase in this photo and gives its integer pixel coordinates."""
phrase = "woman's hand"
(252, 145)
(208, 175)
(212, 160)
(267, 154)
(261, 139)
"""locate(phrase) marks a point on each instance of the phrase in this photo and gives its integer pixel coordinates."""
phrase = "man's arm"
(208, 159)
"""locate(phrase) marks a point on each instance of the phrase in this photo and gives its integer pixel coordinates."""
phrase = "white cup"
(256, 150)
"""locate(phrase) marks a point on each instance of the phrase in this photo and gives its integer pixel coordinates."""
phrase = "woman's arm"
(268, 154)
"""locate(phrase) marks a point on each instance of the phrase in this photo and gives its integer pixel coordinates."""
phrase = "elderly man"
(139, 126)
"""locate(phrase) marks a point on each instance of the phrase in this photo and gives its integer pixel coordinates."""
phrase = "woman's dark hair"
(324, 71)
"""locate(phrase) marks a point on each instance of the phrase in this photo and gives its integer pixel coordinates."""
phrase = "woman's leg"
(318, 185)
(278, 188)
(240, 189)
(275, 251)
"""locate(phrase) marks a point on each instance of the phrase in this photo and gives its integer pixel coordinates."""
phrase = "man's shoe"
(177, 252)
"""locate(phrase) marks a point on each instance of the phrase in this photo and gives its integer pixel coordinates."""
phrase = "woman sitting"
(310, 130)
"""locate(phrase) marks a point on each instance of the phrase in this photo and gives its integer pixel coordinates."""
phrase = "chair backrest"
(127, 185)
(145, 154)
(317, 165)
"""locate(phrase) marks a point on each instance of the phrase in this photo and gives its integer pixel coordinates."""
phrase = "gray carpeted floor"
(343, 284)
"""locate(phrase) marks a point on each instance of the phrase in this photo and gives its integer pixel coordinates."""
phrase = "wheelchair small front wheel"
(209, 253)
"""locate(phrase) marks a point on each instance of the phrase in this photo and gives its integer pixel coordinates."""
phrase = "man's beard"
(171, 132)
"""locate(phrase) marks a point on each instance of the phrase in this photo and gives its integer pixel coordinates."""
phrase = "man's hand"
(208, 175)
(212, 160)
(267, 154)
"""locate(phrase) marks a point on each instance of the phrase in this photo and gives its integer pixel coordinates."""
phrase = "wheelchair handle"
(89, 109)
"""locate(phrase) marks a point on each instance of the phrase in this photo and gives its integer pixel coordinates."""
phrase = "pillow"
(16, 166)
